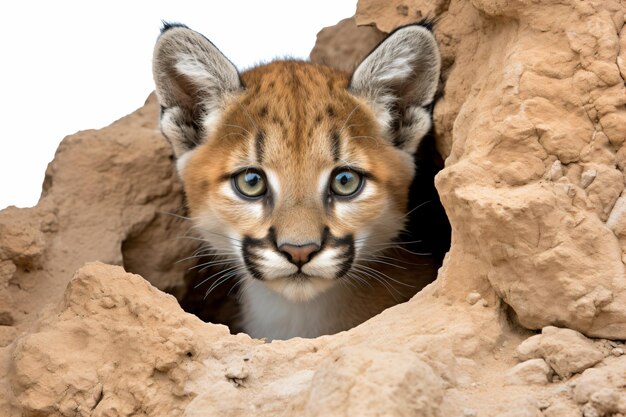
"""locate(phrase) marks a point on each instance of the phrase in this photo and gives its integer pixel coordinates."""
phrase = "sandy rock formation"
(532, 125)
(566, 351)
(344, 45)
(109, 195)
(115, 345)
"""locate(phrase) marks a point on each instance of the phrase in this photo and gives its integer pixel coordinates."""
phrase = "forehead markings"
(335, 145)
(294, 99)
(259, 146)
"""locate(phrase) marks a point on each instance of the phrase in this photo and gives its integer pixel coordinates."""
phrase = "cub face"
(296, 173)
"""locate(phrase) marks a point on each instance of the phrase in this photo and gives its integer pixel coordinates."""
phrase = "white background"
(66, 66)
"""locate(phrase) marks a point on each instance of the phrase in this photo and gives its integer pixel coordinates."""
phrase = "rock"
(7, 270)
(565, 350)
(587, 177)
(344, 45)
(6, 318)
(601, 390)
(110, 195)
(530, 348)
(473, 297)
(115, 343)
(416, 390)
(607, 401)
(7, 335)
(556, 170)
(112, 342)
(522, 407)
(550, 255)
(562, 409)
(590, 411)
(532, 371)
(559, 97)
(590, 381)
(387, 15)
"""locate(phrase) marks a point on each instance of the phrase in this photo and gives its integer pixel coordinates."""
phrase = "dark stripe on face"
(345, 266)
(346, 244)
(248, 247)
(335, 145)
(251, 247)
(249, 257)
(260, 146)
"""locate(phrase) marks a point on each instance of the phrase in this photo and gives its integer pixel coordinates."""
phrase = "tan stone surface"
(388, 15)
(115, 345)
(532, 371)
(344, 45)
(532, 124)
(109, 195)
(565, 350)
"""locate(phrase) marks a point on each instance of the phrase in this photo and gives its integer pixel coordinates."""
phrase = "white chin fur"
(299, 290)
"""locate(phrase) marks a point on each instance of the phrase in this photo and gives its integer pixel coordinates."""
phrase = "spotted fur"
(298, 123)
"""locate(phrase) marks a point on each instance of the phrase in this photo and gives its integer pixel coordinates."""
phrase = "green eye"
(345, 183)
(250, 183)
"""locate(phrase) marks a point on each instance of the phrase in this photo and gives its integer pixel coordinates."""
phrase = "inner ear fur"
(399, 78)
(193, 83)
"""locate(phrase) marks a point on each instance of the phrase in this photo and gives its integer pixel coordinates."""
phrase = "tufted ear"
(193, 82)
(399, 78)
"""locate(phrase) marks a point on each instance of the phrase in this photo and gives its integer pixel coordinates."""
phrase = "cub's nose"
(299, 254)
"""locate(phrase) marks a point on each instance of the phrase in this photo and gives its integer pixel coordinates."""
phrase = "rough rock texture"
(532, 371)
(115, 345)
(566, 351)
(388, 15)
(532, 125)
(109, 195)
(344, 45)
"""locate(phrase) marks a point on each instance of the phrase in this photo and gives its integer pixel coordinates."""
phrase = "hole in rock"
(513, 323)
(154, 249)
(420, 250)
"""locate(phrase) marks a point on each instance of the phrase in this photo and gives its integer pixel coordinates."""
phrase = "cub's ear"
(399, 78)
(193, 83)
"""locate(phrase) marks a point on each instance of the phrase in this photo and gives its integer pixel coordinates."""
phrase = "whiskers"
(387, 246)
(234, 271)
(376, 256)
(230, 264)
(228, 260)
(178, 216)
(205, 251)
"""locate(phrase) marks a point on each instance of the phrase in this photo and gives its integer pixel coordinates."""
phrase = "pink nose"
(299, 254)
